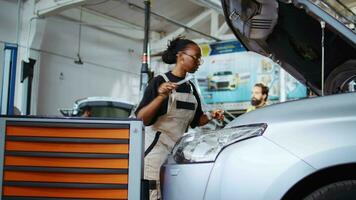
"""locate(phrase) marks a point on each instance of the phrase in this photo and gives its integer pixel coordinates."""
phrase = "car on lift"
(102, 107)
(304, 149)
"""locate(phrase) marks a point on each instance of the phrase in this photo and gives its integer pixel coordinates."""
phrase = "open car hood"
(289, 32)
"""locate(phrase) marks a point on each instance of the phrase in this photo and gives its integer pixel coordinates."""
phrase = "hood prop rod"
(322, 24)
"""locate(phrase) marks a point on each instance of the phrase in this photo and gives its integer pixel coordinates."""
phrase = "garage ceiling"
(202, 20)
(167, 18)
(181, 11)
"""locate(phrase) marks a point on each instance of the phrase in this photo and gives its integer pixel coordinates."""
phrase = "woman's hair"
(176, 45)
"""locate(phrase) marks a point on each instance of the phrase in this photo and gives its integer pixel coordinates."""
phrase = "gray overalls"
(165, 132)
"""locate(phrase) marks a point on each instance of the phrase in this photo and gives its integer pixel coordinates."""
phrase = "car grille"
(223, 84)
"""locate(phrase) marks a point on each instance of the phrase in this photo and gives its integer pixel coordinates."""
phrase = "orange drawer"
(65, 193)
(66, 162)
(67, 132)
(65, 177)
(67, 147)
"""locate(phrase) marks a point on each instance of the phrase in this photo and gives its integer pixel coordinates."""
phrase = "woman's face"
(191, 58)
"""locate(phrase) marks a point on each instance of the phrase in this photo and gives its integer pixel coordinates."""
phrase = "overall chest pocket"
(185, 105)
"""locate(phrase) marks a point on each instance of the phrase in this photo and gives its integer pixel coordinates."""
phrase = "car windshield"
(109, 112)
(223, 73)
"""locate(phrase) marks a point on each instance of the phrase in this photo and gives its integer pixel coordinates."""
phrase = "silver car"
(304, 149)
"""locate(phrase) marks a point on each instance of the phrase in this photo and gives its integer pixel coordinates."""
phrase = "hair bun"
(169, 57)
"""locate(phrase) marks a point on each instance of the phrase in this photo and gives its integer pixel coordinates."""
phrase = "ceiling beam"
(209, 4)
(46, 8)
(228, 37)
(223, 29)
(174, 22)
(104, 22)
(214, 24)
(198, 19)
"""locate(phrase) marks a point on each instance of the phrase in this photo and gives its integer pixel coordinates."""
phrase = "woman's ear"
(180, 58)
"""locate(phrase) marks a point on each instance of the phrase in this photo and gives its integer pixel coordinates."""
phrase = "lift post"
(145, 54)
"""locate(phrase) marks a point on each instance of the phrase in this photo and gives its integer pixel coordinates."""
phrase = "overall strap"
(165, 77)
(191, 87)
(153, 144)
(173, 91)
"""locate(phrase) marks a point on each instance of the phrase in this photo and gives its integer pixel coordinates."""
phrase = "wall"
(111, 66)
(8, 21)
(111, 63)
(8, 29)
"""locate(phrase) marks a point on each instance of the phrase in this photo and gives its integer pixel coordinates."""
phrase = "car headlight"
(205, 146)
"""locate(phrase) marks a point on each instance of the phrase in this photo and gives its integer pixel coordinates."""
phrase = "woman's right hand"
(166, 88)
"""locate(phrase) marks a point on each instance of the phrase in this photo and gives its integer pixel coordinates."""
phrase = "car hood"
(289, 32)
(222, 78)
(332, 106)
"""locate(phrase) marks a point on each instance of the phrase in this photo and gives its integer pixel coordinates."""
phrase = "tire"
(337, 78)
(342, 190)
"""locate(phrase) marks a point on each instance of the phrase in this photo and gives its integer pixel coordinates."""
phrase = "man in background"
(259, 97)
(86, 111)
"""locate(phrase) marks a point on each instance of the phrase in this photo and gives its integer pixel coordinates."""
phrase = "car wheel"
(335, 191)
(342, 79)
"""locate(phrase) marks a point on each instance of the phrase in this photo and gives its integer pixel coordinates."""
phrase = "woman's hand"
(217, 114)
(166, 88)
(208, 116)
(149, 111)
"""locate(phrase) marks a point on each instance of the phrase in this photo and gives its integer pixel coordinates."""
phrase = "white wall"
(14, 28)
(8, 21)
(111, 63)
(1, 64)
(8, 28)
(111, 66)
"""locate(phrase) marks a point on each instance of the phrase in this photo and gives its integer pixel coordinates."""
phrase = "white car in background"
(222, 80)
(103, 107)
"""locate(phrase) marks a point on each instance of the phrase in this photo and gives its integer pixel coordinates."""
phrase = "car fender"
(255, 168)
